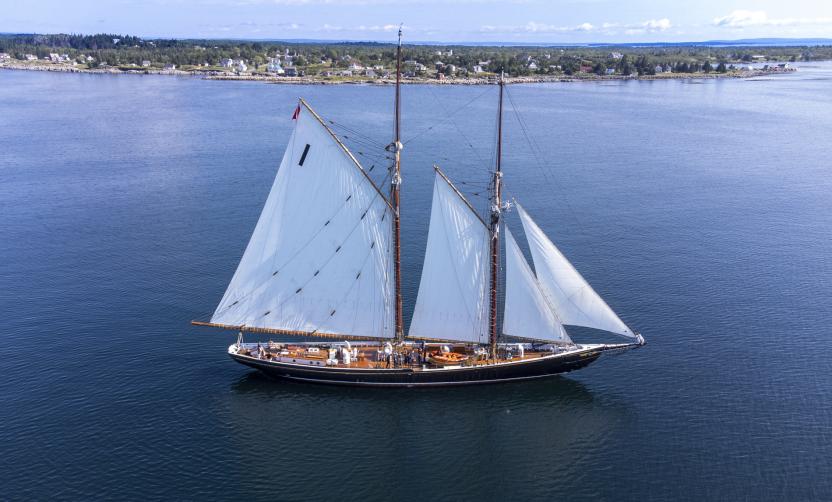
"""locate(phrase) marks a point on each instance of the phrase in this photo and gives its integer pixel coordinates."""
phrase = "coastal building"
(89, 59)
(478, 69)
(533, 66)
(145, 63)
(170, 67)
(370, 73)
(30, 57)
(291, 71)
(275, 67)
(585, 68)
(610, 71)
(450, 52)
(227, 63)
(345, 73)
(240, 66)
(378, 67)
(355, 66)
(4, 56)
(451, 69)
(659, 68)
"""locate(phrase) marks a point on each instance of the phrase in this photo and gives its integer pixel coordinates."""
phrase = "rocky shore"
(319, 80)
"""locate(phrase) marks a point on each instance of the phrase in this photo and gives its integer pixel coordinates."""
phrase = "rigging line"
(376, 196)
(428, 129)
(572, 212)
(456, 125)
(357, 132)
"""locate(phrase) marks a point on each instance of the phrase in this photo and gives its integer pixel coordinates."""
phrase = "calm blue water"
(702, 210)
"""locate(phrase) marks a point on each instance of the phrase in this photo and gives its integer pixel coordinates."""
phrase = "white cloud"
(748, 18)
(608, 28)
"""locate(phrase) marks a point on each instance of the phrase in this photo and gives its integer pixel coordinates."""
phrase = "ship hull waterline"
(529, 369)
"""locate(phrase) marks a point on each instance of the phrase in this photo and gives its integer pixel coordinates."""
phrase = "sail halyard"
(317, 263)
(495, 227)
(395, 196)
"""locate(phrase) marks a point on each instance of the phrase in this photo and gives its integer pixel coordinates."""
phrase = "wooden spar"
(347, 151)
(287, 332)
(459, 194)
(495, 225)
(395, 184)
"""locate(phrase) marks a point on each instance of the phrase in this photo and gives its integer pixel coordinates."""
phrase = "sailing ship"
(324, 264)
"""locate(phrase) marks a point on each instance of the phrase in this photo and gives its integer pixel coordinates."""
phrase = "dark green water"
(701, 210)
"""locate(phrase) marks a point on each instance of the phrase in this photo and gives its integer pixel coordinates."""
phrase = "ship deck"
(374, 357)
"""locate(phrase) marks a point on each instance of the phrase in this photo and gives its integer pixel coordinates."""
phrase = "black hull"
(406, 377)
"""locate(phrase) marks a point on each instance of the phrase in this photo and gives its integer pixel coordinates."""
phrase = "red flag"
(297, 112)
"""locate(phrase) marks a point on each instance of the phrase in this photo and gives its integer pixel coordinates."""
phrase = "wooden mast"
(394, 194)
(495, 226)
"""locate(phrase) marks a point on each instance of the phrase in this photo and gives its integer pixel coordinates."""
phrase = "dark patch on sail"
(303, 155)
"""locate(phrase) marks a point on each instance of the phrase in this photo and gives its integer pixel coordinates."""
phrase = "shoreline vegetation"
(374, 63)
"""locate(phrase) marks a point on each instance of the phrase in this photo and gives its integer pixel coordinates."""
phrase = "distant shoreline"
(319, 80)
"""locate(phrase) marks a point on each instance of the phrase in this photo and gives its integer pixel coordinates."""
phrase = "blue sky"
(428, 20)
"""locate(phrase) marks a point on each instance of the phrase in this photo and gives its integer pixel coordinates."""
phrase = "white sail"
(527, 313)
(572, 298)
(452, 300)
(319, 259)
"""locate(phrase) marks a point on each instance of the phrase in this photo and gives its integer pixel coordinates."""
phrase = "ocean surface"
(700, 209)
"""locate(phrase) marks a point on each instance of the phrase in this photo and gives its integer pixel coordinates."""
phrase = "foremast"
(494, 227)
(395, 185)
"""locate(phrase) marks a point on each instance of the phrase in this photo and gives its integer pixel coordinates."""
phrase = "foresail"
(527, 313)
(571, 297)
(452, 299)
(319, 259)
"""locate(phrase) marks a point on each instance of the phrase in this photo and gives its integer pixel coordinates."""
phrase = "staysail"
(319, 260)
(571, 297)
(452, 299)
(527, 312)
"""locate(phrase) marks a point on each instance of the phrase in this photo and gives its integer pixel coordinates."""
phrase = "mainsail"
(452, 299)
(527, 313)
(574, 300)
(319, 260)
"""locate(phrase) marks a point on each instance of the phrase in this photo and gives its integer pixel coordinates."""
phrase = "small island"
(374, 63)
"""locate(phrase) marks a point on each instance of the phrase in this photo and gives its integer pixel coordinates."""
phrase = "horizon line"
(815, 41)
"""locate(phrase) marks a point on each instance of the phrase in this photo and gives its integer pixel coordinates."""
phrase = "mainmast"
(495, 225)
(394, 193)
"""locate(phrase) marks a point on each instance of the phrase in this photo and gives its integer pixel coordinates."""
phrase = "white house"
(240, 66)
(30, 57)
(355, 67)
(533, 66)
(170, 67)
(478, 69)
(610, 71)
(227, 63)
(370, 73)
(274, 66)
(145, 63)
(4, 56)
